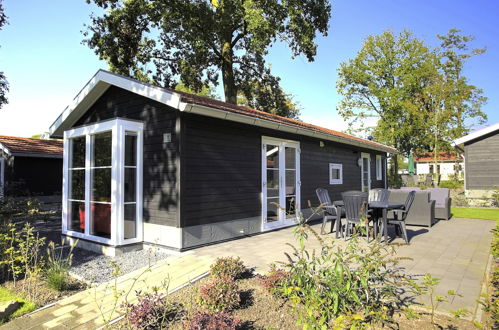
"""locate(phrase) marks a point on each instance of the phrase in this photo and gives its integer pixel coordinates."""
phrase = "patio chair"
(379, 195)
(400, 223)
(328, 209)
(356, 205)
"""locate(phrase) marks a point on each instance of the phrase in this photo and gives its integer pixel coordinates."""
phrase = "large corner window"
(102, 182)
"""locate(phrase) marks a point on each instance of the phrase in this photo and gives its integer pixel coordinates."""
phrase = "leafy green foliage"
(232, 267)
(196, 41)
(20, 255)
(427, 287)
(221, 294)
(451, 184)
(418, 95)
(341, 287)
(26, 305)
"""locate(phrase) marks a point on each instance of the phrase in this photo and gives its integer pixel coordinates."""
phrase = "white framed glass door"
(365, 169)
(280, 182)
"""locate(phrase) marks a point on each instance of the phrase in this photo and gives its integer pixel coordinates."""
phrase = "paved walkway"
(456, 251)
(89, 309)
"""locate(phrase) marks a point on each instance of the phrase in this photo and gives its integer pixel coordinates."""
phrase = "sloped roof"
(476, 134)
(442, 157)
(199, 105)
(31, 147)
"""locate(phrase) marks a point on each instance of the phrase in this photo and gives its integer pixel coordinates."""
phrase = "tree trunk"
(230, 91)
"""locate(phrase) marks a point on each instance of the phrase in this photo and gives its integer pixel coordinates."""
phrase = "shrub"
(274, 280)
(58, 265)
(152, 311)
(356, 284)
(451, 184)
(221, 294)
(20, 255)
(217, 321)
(228, 266)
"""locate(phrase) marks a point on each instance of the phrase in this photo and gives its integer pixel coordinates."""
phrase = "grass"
(26, 305)
(476, 213)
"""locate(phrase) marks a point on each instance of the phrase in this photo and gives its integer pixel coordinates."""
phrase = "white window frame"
(118, 127)
(379, 168)
(338, 167)
(368, 157)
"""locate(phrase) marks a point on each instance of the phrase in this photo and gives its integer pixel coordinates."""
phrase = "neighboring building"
(145, 165)
(481, 157)
(30, 166)
(447, 165)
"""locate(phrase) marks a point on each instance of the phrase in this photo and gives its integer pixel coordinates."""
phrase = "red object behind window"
(102, 218)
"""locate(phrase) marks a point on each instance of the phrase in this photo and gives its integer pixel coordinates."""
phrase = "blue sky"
(46, 65)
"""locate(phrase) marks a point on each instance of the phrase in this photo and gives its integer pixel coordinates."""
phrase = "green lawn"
(475, 213)
(26, 306)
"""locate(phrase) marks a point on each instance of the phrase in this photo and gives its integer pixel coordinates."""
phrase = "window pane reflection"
(100, 219)
(102, 149)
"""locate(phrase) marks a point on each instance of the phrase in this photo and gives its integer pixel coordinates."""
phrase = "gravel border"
(95, 268)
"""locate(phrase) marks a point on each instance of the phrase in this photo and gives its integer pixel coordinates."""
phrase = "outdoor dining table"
(377, 207)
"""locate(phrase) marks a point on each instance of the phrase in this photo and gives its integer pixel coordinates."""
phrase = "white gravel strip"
(96, 268)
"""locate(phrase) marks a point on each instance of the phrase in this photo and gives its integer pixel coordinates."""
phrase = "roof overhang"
(5, 149)
(102, 80)
(97, 86)
(459, 143)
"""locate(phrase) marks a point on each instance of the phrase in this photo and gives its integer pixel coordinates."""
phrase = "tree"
(195, 41)
(378, 83)
(418, 93)
(4, 85)
(206, 91)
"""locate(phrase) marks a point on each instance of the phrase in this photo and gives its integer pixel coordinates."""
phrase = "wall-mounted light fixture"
(321, 144)
(359, 162)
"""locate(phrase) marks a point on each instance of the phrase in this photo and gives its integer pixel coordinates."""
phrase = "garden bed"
(260, 310)
(41, 294)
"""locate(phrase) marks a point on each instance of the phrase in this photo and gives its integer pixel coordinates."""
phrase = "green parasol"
(410, 167)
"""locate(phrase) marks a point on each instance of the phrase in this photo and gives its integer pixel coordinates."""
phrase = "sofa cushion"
(439, 195)
(410, 188)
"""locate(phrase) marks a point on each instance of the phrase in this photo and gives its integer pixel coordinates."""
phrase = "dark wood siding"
(160, 159)
(221, 169)
(39, 176)
(482, 162)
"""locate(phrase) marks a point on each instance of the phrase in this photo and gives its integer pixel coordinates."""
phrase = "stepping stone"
(7, 308)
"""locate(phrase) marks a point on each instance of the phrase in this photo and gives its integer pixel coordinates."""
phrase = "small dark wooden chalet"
(481, 158)
(30, 166)
(150, 165)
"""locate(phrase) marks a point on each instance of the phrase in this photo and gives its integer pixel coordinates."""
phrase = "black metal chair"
(356, 205)
(328, 209)
(400, 223)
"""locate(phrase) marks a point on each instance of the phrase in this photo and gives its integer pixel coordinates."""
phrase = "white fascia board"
(221, 114)
(94, 89)
(481, 132)
(5, 149)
